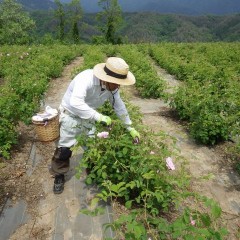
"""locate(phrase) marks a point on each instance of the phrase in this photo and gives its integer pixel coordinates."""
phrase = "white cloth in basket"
(48, 114)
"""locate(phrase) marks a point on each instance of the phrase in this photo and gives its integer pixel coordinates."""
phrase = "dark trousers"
(61, 160)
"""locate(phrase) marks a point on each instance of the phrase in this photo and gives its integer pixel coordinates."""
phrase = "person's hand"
(135, 135)
(105, 120)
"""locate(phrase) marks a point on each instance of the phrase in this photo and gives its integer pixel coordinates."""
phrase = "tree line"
(17, 26)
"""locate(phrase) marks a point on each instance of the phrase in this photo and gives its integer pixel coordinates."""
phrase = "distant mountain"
(184, 7)
(37, 4)
(188, 7)
(157, 27)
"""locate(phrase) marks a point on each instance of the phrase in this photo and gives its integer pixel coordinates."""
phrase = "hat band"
(113, 74)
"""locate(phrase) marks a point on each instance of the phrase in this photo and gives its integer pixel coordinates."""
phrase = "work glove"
(135, 135)
(105, 120)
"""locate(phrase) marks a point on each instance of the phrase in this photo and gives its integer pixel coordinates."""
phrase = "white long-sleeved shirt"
(85, 94)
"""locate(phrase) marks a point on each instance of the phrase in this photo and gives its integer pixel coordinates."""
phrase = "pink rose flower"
(170, 163)
(193, 222)
(103, 134)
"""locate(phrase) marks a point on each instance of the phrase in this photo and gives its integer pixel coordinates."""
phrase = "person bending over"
(86, 92)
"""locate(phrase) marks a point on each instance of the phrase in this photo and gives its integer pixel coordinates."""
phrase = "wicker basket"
(47, 130)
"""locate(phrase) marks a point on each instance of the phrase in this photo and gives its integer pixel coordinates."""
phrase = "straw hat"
(115, 70)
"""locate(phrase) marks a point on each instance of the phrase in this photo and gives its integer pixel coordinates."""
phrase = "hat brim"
(99, 72)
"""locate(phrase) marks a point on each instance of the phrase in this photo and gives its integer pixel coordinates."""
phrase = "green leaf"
(98, 211)
(177, 234)
(89, 181)
(205, 219)
(117, 188)
(119, 154)
(149, 175)
(104, 175)
(94, 202)
(131, 184)
(204, 232)
(216, 211)
(139, 231)
(128, 204)
(85, 211)
(188, 237)
(159, 196)
(178, 225)
(124, 151)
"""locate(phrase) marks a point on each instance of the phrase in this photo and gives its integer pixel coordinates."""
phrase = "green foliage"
(26, 72)
(48, 39)
(152, 27)
(190, 224)
(60, 14)
(142, 182)
(97, 40)
(15, 24)
(134, 228)
(74, 14)
(206, 110)
(110, 18)
(148, 82)
(129, 171)
(92, 55)
(207, 99)
(9, 116)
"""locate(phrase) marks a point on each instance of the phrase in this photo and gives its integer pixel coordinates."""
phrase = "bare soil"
(16, 183)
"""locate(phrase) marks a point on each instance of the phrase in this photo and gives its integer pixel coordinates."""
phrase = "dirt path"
(224, 183)
(28, 178)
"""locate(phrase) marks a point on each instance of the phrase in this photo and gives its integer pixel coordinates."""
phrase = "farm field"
(206, 103)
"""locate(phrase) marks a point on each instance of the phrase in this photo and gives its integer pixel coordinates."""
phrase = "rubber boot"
(60, 165)
(58, 186)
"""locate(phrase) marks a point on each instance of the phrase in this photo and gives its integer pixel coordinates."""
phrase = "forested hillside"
(188, 7)
(153, 27)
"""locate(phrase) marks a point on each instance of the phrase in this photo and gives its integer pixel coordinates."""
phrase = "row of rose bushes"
(208, 99)
(25, 72)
